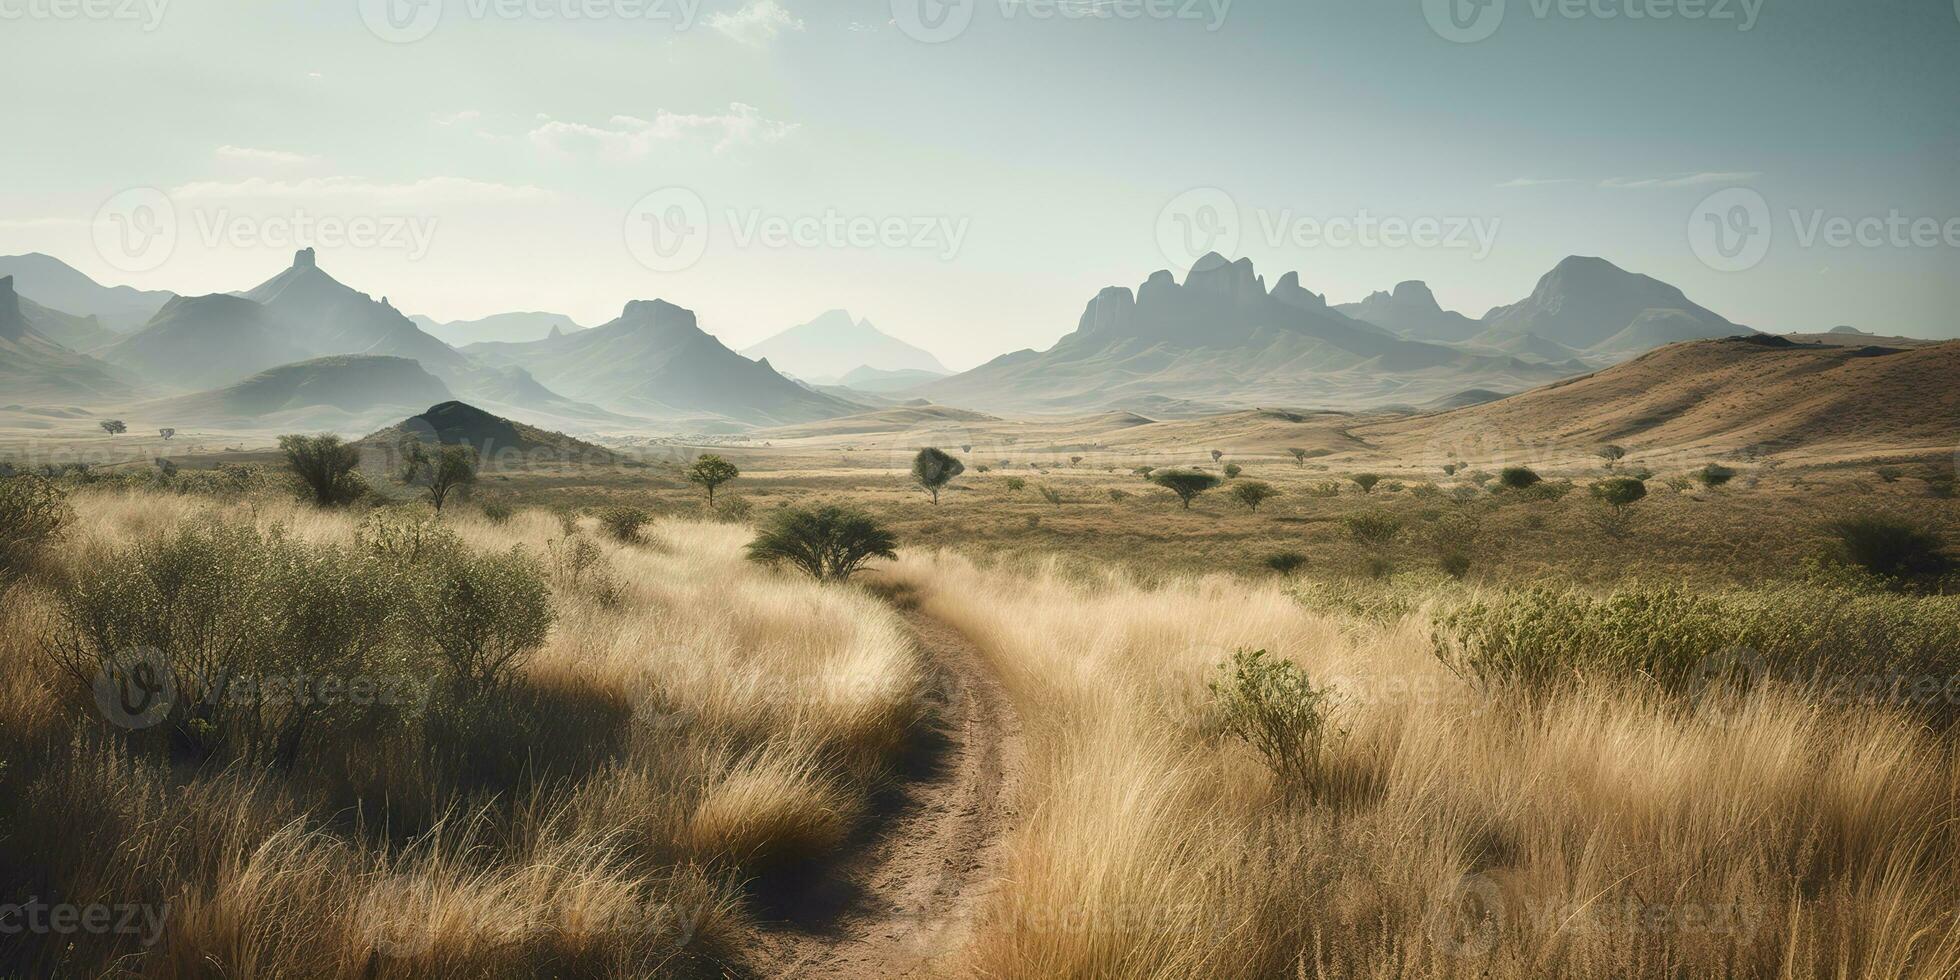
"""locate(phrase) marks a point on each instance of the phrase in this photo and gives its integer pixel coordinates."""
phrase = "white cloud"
(756, 24)
(629, 137)
(252, 154)
(424, 192)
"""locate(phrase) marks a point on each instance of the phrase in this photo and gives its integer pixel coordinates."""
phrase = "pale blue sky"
(1046, 147)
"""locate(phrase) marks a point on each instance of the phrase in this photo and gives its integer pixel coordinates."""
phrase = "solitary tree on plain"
(1611, 454)
(166, 434)
(829, 544)
(1187, 484)
(1366, 481)
(1217, 455)
(1252, 493)
(448, 470)
(1299, 456)
(711, 471)
(114, 427)
(933, 469)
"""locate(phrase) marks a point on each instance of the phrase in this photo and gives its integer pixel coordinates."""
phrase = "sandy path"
(899, 902)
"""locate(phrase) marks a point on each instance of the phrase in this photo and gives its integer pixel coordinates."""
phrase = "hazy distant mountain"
(82, 334)
(875, 380)
(326, 317)
(1220, 340)
(1590, 303)
(507, 328)
(55, 284)
(202, 342)
(834, 344)
(1412, 311)
(655, 361)
(34, 368)
(344, 393)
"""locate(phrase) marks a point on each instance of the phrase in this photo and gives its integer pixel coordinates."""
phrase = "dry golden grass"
(702, 719)
(1463, 835)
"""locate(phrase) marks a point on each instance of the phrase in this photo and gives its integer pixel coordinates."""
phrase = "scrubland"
(1514, 773)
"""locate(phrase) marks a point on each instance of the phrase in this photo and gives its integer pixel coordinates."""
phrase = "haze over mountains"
(508, 328)
(835, 344)
(51, 282)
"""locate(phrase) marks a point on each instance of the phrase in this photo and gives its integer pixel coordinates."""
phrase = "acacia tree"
(450, 469)
(1187, 484)
(1366, 481)
(325, 465)
(829, 544)
(711, 471)
(1252, 493)
(1618, 494)
(114, 427)
(933, 469)
(166, 434)
(1299, 456)
(1611, 454)
(1217, 455)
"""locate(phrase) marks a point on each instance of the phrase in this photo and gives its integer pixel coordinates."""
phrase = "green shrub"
(1890, 547)
(1366, 481)
(33, 513)
(732, 509)
(1821, 638)
(1286, 562)
(481, 613)
(1050, 494)
(1713, 475)
(1232, 471)
(1518, 478)
(1271, 704)
(1014, 484)
(1252, 493)
(324, 465)
(622, 522)
(497, 511)
(826, 543)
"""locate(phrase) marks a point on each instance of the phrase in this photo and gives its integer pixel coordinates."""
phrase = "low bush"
(1286, 562)
(622, 523)
(324, 465)
(1821, 638)
(33, 513)
(826, 543)
(1891, 547)
(1270, 703)
(1518, 478)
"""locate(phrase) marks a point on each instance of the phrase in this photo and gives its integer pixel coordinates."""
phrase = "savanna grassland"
(1070, 727)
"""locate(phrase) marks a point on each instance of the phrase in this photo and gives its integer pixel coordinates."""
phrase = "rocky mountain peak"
(304, 259)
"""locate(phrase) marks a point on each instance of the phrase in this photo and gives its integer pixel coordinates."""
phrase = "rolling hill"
(343, 393)
(1752, 396)
(201, 342)
(655, 361)
(498, 441)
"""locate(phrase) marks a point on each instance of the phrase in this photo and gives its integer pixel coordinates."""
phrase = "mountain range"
(34, 368)
(835, 344)
(1222, 340)
(50, 282)
(509, 328)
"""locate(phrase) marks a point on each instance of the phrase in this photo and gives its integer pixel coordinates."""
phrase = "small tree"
(1252, 493)
(1232, 471)
(1618, 495)
(1611, 454)
(933, 469)
(1286, 562)
(1518, 478)
(325, 465)
(829, 544)
(450, 469)
(1217, 455)
(1366, 481)
(1375, 531)
(711, 471)
(1187, 484)
(1299, 456)
(1449, 469)
(114, 427)
(1270, 704)
(167, 434)
(1075, 461)
(1714, 475)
